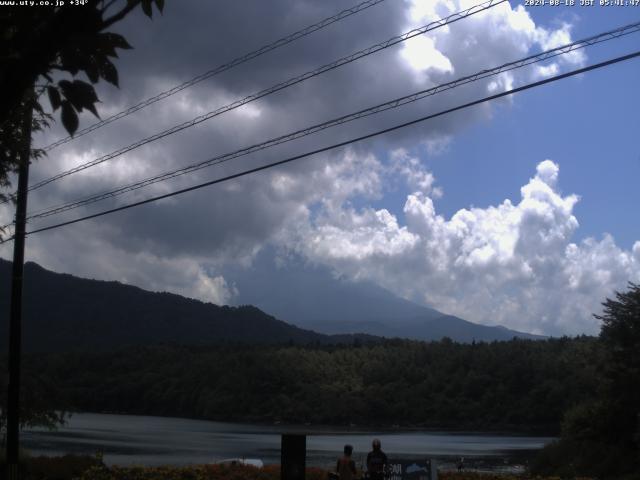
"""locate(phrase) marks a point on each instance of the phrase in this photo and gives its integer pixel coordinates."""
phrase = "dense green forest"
(518, 385)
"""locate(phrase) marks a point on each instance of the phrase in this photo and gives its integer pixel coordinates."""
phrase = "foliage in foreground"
(40, 44)
(79, 467)
(200, 472)
(569, 458)
(601, 435)
(66, 467)
(225, 472)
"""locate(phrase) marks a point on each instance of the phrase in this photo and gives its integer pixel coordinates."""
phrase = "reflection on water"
(129, 439)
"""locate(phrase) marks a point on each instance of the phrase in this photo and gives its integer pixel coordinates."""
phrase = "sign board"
(402, 469)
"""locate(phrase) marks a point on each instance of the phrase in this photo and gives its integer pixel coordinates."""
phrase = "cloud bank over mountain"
(513, 264)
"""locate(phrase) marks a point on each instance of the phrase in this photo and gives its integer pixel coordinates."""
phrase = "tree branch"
(120, 15)
(108, 5)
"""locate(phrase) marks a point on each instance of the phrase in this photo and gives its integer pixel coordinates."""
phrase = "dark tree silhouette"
(601, 435)
(620, 335)
(37, 44)
(41, 43)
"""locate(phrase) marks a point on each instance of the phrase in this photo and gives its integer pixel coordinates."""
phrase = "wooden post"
(15, 320)
(293, 455)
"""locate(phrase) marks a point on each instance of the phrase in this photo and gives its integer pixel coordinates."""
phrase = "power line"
(343, 119)
(276, 88)
(222, 68)
(342, 144)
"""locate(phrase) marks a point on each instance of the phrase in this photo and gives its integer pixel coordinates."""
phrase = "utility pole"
(15, 320)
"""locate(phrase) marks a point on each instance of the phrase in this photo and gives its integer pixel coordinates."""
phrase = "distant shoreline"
(325, 429)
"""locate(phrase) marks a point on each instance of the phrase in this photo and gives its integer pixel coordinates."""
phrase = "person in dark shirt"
(346, 467)
(376, 462)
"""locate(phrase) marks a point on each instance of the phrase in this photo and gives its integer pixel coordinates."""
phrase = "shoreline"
(322, 429)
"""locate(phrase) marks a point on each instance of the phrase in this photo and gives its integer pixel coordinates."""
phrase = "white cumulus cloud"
(513, 264)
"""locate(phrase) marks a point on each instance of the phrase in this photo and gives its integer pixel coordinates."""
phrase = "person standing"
(376, 462)
(346, 467)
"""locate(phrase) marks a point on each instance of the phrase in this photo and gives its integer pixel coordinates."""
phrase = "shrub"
(66, 467)
(201, 472)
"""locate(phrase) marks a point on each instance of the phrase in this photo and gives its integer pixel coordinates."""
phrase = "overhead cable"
(339, 121)
(341, 144)
(275, 88)
(222, 68)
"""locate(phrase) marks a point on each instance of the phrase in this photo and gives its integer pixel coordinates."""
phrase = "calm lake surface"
(139, 440)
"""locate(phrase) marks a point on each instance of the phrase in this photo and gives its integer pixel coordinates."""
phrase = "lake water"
(140, 440)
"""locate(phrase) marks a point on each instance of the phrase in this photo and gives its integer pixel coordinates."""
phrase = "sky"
(520, 212)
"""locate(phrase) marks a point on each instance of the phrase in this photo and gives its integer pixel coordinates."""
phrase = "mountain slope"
(63, 312)
(311, 296)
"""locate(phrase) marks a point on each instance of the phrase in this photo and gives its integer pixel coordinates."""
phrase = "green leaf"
(80, 94)
(92, 70)
(160, 5)
(71, 59)
(92, 109)
(69, 117)
(54, 97)
(117, 41)
(146, 8)
(105, 48)
(109, 72)
(85, 91)
(86, 96)
(67, 90)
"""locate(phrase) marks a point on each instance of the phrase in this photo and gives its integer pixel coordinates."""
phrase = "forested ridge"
(64, 313)
(518, 385)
